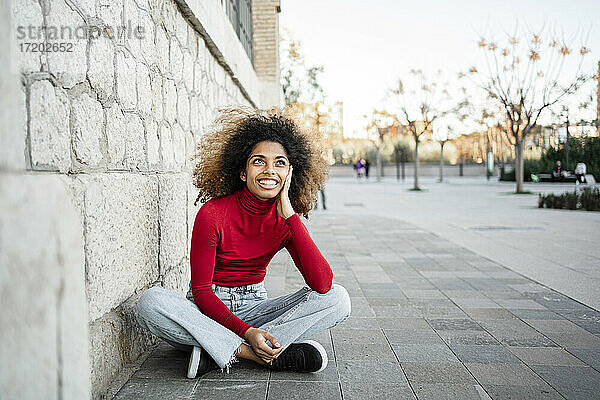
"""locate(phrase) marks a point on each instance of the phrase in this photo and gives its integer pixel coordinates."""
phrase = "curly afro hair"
(222, 154)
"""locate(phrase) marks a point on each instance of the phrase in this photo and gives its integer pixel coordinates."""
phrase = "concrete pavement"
(558, 248)
(431, 318)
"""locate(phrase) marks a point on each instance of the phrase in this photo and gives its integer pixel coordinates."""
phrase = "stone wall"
(99, 156)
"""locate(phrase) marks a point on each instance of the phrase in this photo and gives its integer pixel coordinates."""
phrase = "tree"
(442, 134)
(527, 77)
(377, 125)
(300, 83)
(487, 119)
(419, 106)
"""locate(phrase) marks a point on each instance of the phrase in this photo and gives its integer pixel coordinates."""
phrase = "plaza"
(462, 291)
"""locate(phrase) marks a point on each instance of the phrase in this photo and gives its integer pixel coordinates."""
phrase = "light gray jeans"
(292, 317)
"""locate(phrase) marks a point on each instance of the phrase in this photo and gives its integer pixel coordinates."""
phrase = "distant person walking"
(360, 169)
(367, 165)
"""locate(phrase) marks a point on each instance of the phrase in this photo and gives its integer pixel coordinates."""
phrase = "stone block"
(43, 328)
(220, 76)
(162, 47)
(110, 12)
(153, 145)
(178, 146)
(25, 13)
(87, 120)
(172, 199)
(116, 339)
(49, 127)
(194, 114)
(198, 72)
(193, 43)
(131, 18)
(144, 92)
(13, 122)
(169, 15)
(126, 80)
(121, 238)
(167, 156)
(178, 278)
(190, 146)
(86, 7)
(188, 71)
(205, 86)
(101, 70)
(68, 67)
(116, 136)
(170, 101)
(155, 9)
(183, 108)
(149, 50)
(176, 60)
(181, 29)
(156, 88)
(136, 143)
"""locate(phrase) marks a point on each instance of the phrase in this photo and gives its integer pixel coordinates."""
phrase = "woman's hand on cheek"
(284, 205)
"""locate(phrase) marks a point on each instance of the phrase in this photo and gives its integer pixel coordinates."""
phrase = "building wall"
(96, 146)
(265, 15)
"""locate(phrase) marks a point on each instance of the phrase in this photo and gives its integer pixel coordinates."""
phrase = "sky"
(365, 46)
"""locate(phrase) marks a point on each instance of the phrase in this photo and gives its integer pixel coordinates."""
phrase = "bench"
(549, 178)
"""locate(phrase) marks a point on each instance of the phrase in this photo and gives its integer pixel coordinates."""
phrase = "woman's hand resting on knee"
(257, 339)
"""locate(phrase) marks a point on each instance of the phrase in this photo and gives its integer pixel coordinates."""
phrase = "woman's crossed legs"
(289, 318)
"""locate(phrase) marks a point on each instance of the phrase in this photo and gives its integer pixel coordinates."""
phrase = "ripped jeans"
(292, 317)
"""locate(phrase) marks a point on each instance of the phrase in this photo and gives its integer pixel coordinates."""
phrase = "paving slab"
(507, 392)
(546, 356)
(431, 320)
(505, 374)
(441, 391)
(484, 354)
(156, 389)
(366, 390)
(374, 372)
(227, 390)
(573, 382)
(295, 390)
(423, 352)
(437, 372)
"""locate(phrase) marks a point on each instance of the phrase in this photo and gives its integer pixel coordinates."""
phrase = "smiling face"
(266, 169)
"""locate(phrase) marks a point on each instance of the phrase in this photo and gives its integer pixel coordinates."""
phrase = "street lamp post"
(567, 146)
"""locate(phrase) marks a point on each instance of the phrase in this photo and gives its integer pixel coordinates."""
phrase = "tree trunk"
(519, 150)
(397, 155)
(441, 162)
(416, 186)
(567, 147)
(379, 166)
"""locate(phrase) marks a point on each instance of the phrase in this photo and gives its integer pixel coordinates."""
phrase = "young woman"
(257, 171)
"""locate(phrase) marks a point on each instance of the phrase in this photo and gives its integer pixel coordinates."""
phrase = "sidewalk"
(430, 320)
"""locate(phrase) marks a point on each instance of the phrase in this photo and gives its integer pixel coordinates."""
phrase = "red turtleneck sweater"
(234, 238)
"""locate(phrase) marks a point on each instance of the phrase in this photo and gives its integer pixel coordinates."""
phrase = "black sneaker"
(303, 356)
(200, 363)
